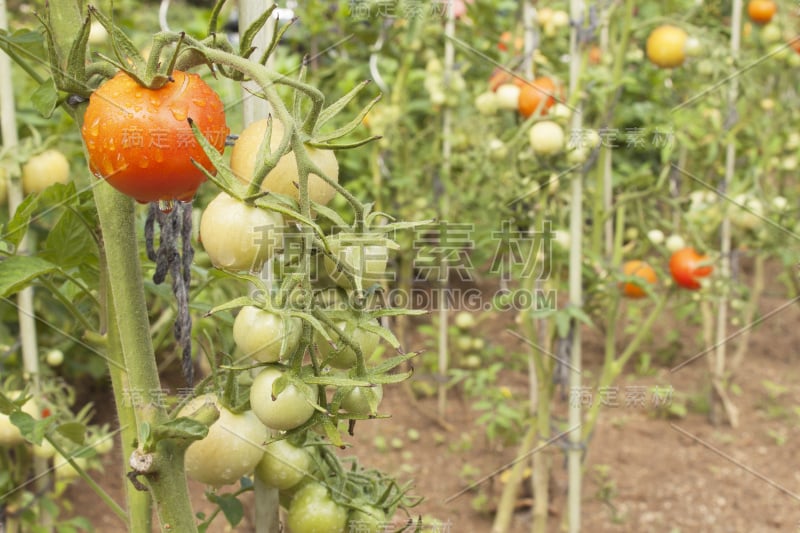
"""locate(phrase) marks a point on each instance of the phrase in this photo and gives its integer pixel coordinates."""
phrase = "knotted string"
(173, 225)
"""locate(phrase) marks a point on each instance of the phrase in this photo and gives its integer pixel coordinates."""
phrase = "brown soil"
(654, 477)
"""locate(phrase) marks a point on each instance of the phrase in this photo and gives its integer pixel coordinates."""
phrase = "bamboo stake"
(575, 453)
(718, 376)
(444, 207)
(25, 312)
(267, 503)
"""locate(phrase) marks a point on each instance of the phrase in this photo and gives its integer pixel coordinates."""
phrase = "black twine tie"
(173, 225)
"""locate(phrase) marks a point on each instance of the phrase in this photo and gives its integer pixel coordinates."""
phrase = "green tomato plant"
(163, 441)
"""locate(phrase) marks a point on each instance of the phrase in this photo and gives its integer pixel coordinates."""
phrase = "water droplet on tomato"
(158, 155)
(94, 127)
(138, 94)
(198, 102)
(166, 206)
(155, 101)
(144, 162)
(180, 113)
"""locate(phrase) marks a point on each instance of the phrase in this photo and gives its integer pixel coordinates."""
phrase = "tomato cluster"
(687, 267)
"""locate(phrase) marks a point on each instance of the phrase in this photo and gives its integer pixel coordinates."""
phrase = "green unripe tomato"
(344, 357)
(231, 449)
(290, 409)
(363, 401)
(313, 511)
(465, 320)
(283, 465)
(366, 519)
(363, 256)
(266, 337)
(237, 236)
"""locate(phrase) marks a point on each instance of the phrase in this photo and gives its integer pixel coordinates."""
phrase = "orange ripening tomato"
(761, 11)
(641, 270)
(505, 40)
(687, 266)
(542, 91)
(501, 77)
(595, 55)
(665, 46)
(140, 141)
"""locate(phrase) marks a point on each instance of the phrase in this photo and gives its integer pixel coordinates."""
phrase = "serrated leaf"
(181, 428)
(392, 311)
(246, 40)
(333, 109)
(350, 126)
(144, 433)
(384, 333)
(17, 272)
(580, 315)
(233, 304)
(328, 213)
(384, 379)
(6, 405)
(76, 60)
(344, 146)
(69, 241)
(336, 381)
(391, 363)
(315, 323)
(231, 507)
(33, 430)
(332, 433)
(127, 53)
(18, 225)
(74, 431)
(45, 98)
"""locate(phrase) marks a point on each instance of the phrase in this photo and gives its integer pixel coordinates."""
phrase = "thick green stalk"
(508, 500)
(139, 504)
(118, 222)
(613, 367)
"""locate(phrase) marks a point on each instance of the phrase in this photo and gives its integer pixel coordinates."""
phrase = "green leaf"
(580, 315)
(74, 431)
(76, 60)
(233, 304)
(144, 433)
(69, 242)
(390, 364)
(246, 41)
(350, 126)
(45, 98)
(332, 433)
(124, 49)
(18, 225)
(334, 109)
(336, 381)
(19, 271)
(181, 428)
(33, 430)
(231, 507)
(328, 213)
(382, 332)
(384, 379)
(562, 321)
(30, 43)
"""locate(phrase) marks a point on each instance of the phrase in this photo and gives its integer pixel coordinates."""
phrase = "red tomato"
(139, 139)
(687, 267)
